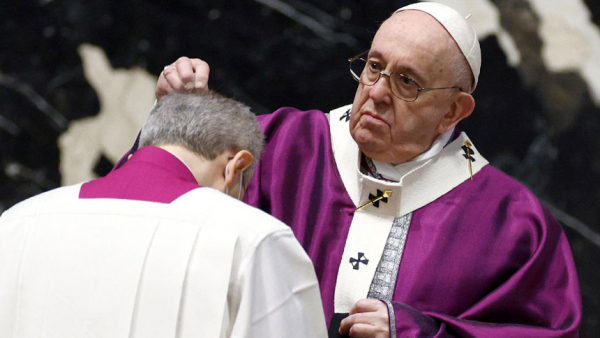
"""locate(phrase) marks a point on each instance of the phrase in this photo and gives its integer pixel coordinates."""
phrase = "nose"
(380, 90)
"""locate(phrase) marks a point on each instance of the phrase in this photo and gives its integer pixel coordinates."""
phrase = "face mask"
(241, 183)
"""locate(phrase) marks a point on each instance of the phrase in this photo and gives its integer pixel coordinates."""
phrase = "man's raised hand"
(185, 74)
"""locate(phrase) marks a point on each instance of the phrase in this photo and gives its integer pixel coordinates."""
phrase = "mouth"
(373, 117)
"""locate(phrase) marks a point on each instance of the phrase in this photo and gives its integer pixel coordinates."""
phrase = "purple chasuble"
(483, 260)
(152, 174)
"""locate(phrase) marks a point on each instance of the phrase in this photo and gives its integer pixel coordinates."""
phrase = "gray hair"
(461, 71)
(205, 123)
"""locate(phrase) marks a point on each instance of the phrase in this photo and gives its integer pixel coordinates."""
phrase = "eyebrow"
(407, 70)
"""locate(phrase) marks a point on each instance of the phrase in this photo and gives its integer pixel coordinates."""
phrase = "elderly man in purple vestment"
(157, 248)
(411, 232)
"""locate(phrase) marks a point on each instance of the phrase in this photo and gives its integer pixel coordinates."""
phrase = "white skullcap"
(459, 29)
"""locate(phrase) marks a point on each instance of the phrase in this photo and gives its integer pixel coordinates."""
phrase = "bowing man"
(157, 248)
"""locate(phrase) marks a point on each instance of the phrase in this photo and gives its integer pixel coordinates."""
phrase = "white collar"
(428, 181)
(395, 172)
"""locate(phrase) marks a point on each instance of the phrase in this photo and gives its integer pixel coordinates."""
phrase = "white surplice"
(205, 265)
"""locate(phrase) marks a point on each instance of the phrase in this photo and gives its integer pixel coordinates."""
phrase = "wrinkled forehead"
(414, 40)
(415, 27)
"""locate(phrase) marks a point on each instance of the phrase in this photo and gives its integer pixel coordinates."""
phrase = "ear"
(240, 162)
(460, 108)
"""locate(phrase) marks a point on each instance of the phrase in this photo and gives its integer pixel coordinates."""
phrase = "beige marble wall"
(126, 97)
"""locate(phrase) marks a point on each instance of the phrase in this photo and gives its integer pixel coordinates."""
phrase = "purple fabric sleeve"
(526, 287)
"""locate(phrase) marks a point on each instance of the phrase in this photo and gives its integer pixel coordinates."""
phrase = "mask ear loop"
(241, 185)
(241, 182)
(226, 188)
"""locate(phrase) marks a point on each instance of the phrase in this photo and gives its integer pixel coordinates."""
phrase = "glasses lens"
(357, 66)
(361, 72)
(404, 87)
(367, 73)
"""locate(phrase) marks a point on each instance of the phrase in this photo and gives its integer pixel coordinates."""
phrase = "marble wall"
(77, 78)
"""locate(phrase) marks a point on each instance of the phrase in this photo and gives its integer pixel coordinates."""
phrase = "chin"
(369, 147)
(380, 152)
(365, 136)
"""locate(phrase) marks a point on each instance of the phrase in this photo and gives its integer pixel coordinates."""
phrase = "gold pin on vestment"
(469, 158)
(386, 194)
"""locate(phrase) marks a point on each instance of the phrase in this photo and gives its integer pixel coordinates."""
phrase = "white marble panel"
(126, 97)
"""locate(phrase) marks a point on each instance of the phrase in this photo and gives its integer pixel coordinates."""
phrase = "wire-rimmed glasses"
(402, 86)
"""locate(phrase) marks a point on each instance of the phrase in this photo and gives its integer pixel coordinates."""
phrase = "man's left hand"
(368, 319)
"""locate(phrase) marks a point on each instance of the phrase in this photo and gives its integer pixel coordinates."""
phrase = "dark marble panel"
(540, 127)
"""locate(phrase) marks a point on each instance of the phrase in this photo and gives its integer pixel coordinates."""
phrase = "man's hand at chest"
(368, 319)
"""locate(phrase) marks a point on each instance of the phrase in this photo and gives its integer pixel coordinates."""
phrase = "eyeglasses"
(368, 72)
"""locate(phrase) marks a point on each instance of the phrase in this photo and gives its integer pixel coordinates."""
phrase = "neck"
(437, 144)
(205, 171)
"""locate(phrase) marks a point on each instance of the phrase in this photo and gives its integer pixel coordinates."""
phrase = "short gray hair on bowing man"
(205, 123)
